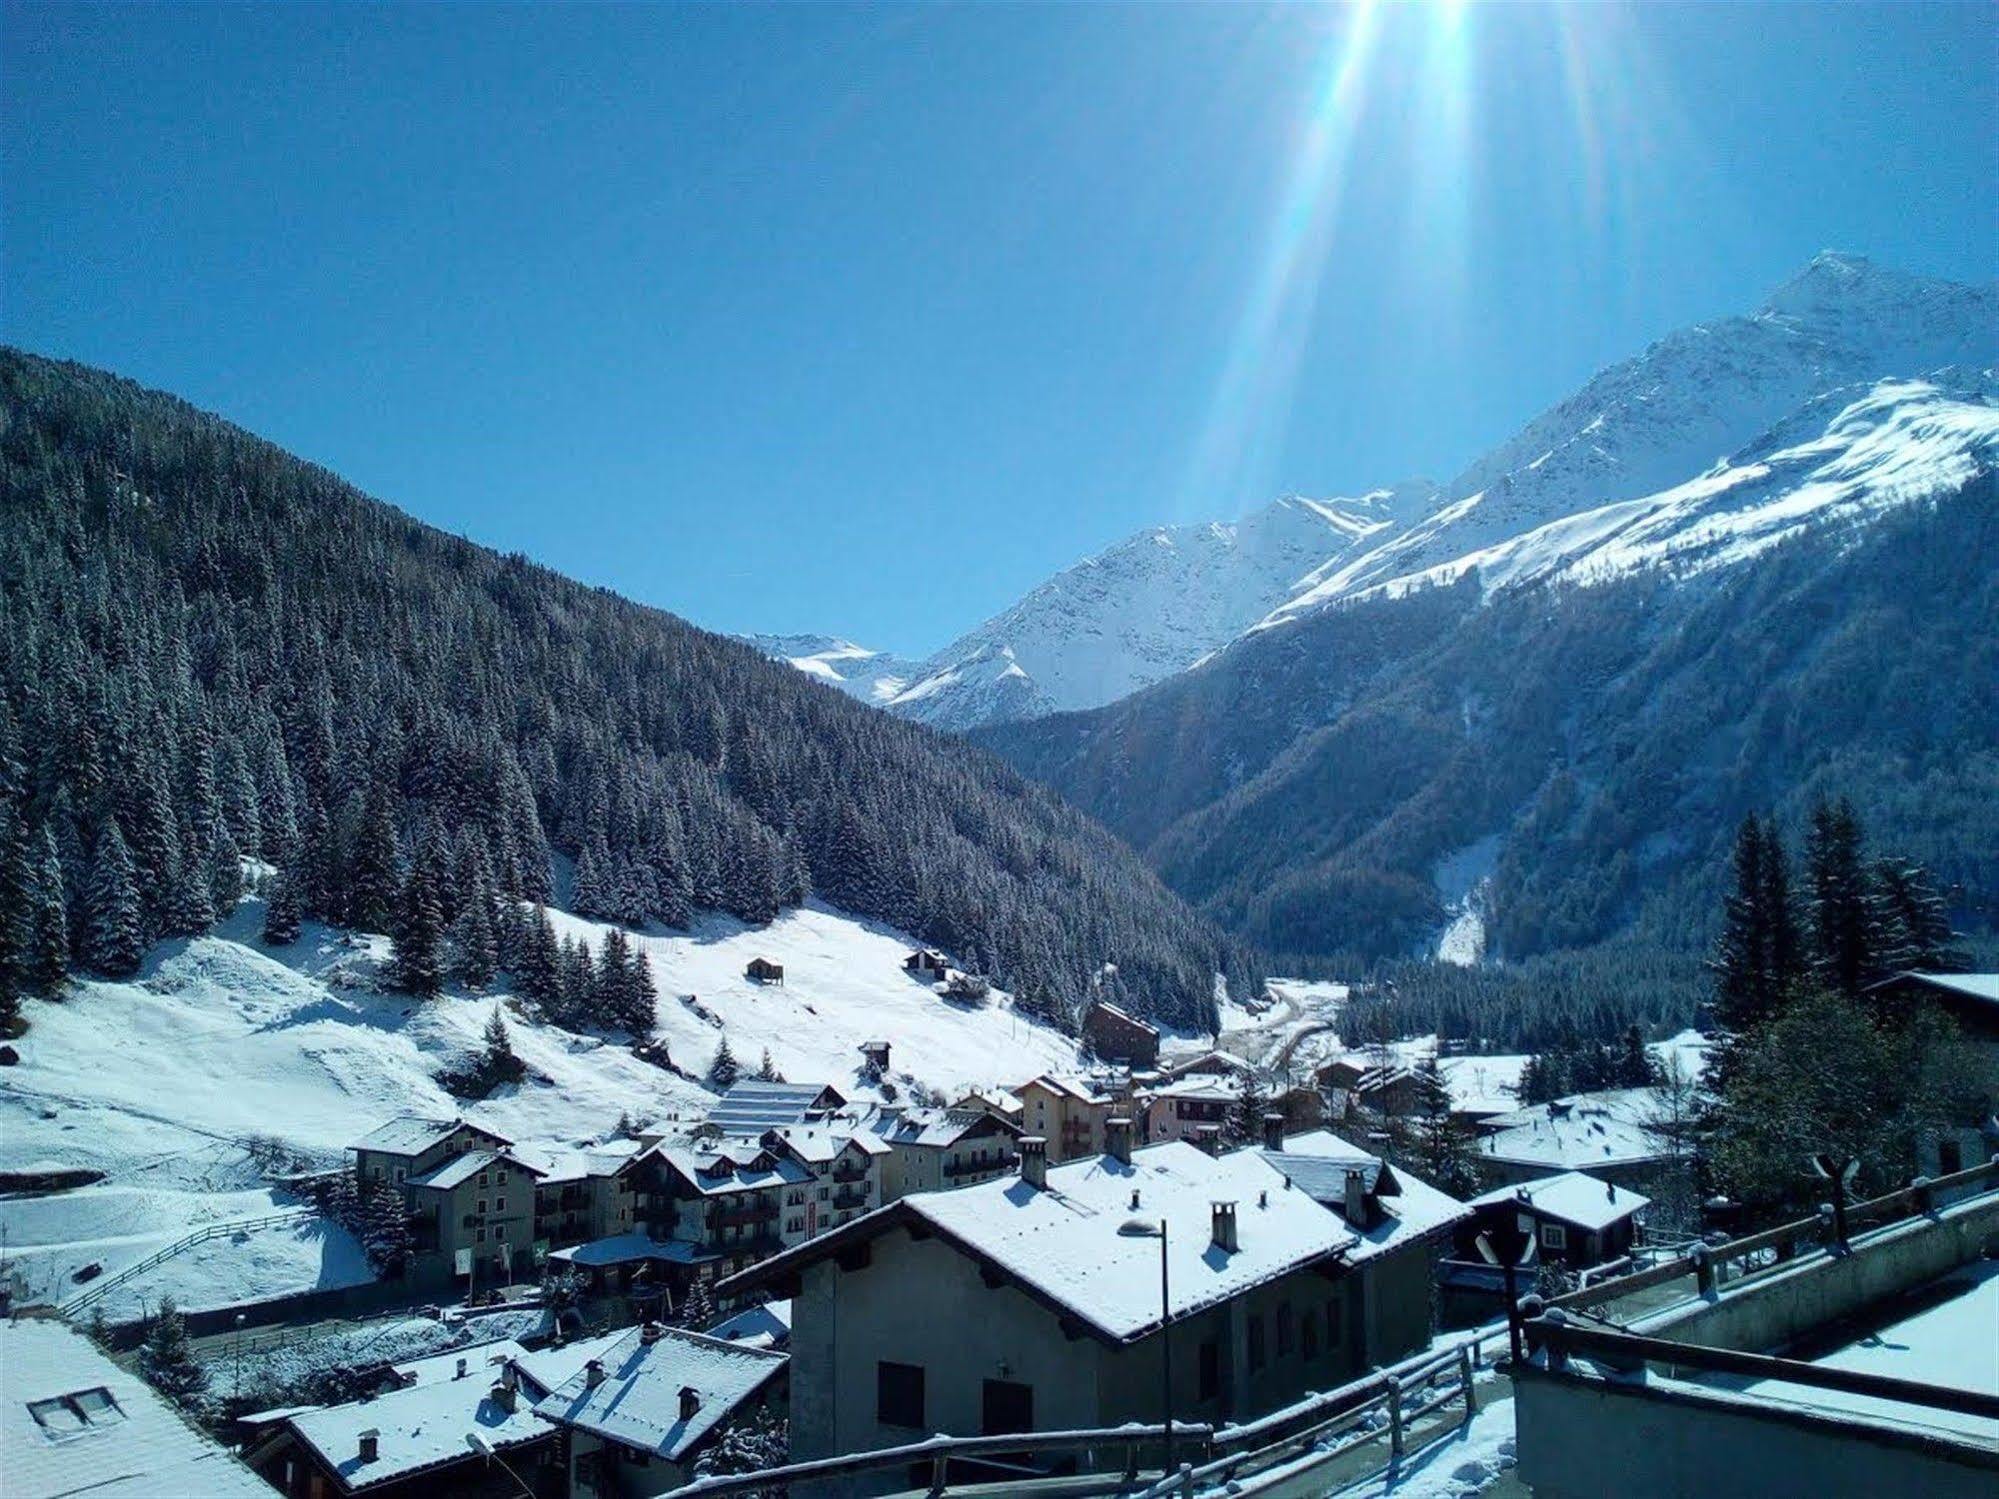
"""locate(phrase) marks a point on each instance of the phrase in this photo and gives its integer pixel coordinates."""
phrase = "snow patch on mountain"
(872, 676)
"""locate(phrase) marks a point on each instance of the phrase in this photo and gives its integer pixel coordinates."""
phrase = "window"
(1007, 1406)
(500, 1232)
(899, 1394)
(79, 1410)
(1287, 1329)
(484, 1180)
(1256, 1348)
(399, 1173)
(503, 1177)
(482, 1237)
(1211, 1369)
(499, 1204)
(482, 1206)
(1554, 1236)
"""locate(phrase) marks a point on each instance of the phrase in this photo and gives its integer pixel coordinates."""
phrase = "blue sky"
(866, 319)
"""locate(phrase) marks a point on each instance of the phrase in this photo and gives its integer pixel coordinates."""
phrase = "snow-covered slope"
(1842, 459)
(1691, 399)
(871, 676)
(185, 1086)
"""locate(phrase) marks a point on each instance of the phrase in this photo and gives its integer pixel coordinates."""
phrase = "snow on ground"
(223, 1065)
(1462, 1463)
(278, 1364)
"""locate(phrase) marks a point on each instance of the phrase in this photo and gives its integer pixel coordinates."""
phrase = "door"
(1009, 1407)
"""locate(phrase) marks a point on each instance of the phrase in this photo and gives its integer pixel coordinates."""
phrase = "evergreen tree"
(1440, 1147)
(539, 976)
(417, 960)
(474, 948)
(1634, 1067)
(371, 884)
(17, 896)
(282, 914)
(225, 870)
(167, 1359)
(724, 1070)
(767, 1069)
(500, 1064)
(47, 968)
(1244, 1123)
(1844, 925)
(114, 932)
(1916, 935)
(385, 1230)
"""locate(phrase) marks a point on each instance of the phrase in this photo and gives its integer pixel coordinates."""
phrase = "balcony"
(977, 1165)
(845, 1198)
(843, 1173)
(742, 1216)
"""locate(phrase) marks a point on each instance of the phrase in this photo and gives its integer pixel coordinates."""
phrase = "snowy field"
(223, 1064)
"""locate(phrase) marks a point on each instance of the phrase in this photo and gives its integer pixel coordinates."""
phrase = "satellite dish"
(1483, 1243)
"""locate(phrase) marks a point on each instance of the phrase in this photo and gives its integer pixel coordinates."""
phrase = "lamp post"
(1145, 1228)
(478, 1442)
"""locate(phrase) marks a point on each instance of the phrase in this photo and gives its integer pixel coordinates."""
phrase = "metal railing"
(1710, 1266)
(1616, 1349)
(99, 1289)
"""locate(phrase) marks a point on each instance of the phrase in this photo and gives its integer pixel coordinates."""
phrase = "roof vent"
(1356, 1200)
(464, 1364)
(1134, 1199)
(1208, 1137)
(1034, 1161)
(690, 1402)
(651, 1333)
(593, 1374)
(1225, 1236)
(504, 1395)
(371, 1445)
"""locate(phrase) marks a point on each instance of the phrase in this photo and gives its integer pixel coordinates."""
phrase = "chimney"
(1208, 1137)
(1273, 1131)
(1356, 1200)
(690, 1402)
(1117, 1139)
(371, 1445)
(651, 1333)
(504, 1395)
(593, 1374)
(1225, 1236)
(463, 1365)
(1034, 1161)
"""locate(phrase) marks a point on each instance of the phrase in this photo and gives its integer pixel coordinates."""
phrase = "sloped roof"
(1125, 1015)
(631, 1248)
(1064, 1085)
(481, 1360)
(941, 1128)
(462, 1167)
(1061, 1244)
(1317, 1163)
(638, 1402)
(133, 1446)
(697, 1167)
(549, 1369)
(1589, 1130)
(751, 1107)
(1572, 1197)
(1983, 987)
(422, 1427)
(412, 1134)
(761, 1326)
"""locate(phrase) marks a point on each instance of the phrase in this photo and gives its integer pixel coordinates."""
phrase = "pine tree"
(767, 1070)
(114, 931)
(385, 1228)
(17, 896)
(48, 927)
(372, 886)
(282, 914)
(225, 870)
(417, 962)
(1634, 1067)
(167, 1359)
(1916, 931)
(474, 948)
(1844, 925)
(539, 976)
(1741, 964)
(1245, 1117)
(724, 1070)
(1440, 1147)
(500, 1064)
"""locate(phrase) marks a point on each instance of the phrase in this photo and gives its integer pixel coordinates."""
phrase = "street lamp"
(1145, 1228)
(477, 1441)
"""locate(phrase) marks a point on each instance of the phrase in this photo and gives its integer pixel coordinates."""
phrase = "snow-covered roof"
(462, 1167)
(599, 1160)
(1979, 986)
(412, 1134)
(998, 1098)
(938, 1129)
(1061, 1243)
(549, 1369)
(1071, 1087)
(639, 1401)
(762, 1326)
(72, 1422)
(480, 1363)
(1201, 1085)
(1572, 1197)
(726, 1167)
(629, 1248)
(1616, 1127)
(1410, 1208)
(751, 1107)
(1125, 1015)
(422, 1427)
(822, 1142)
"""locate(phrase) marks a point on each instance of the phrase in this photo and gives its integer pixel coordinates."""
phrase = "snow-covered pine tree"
(284, 910)
(767, 1069)
(47, 967)
(749, 1444)
(225, 869)
(114, 938)
(167, 1359)
(1845, 925)
(500, 1064)
(417, 960)
(474, 949)
(371, 883)
(1440, 1147)
(725, 1069)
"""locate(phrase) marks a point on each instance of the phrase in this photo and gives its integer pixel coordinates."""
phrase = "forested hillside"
(1587, 752)
(209, 648)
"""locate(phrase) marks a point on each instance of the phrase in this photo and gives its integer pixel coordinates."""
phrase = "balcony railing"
(732, 1217)
(973, 1165)
(846, 1173)
(850, 1199)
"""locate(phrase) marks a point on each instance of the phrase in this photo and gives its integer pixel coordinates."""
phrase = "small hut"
(763, 971)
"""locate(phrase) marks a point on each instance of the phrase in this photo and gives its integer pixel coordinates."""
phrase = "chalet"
(750, 1107)
(478, 1211)
(1182, 1109)
(411, 1145)
(1616, 1135)
(1303, 1109)
(1571, 1220)
(586, 1195)
(1068, 1113)
(637, 1417)
(1972, 1000)
(927, 966)
(848, 1165)
(874, 1056)
(930, 1149)
(1209, 1064)
(995, 1101)
(1119, 1037)
(763, 971)
(1034, 1302)
(1336, 1080)
(712, 1207)
(74, 1422)
(414, 1442)
(968, 988)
